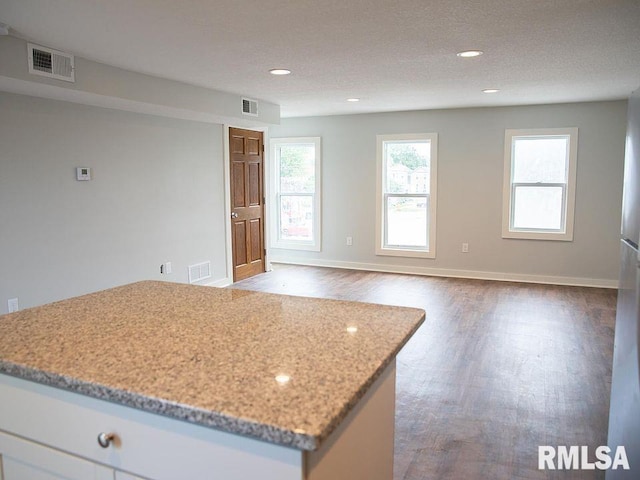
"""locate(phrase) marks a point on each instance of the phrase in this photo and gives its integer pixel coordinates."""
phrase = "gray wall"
(157, 195)
(107, 86)
(470, 169)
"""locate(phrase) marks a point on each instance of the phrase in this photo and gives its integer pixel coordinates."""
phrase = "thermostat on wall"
(83, 173)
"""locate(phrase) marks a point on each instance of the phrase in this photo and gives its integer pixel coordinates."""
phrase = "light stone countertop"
(210, 356)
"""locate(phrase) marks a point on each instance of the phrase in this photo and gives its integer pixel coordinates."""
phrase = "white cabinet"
(145, 445)
(25, 460)
(52, 434)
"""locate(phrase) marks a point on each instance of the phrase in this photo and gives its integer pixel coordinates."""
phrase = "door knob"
(234, 215)
(105, 439)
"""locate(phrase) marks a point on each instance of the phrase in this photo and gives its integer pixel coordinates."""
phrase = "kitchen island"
(169, 381)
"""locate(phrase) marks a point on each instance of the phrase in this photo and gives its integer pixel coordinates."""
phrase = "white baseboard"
(223, 282)
(445, 272)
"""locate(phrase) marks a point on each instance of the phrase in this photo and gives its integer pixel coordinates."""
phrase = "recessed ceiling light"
(470, 53)
(353, 99)
(279, 71)
(490, 90)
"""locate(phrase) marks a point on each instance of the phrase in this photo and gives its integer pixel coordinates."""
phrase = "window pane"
(297, 168)
(540, 159)
(296, 217)
(407, 221)
(538, 207)
(407, 166)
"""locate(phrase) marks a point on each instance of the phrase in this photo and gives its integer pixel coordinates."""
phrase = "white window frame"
(569, 188)
(381, 197)
(276, 241)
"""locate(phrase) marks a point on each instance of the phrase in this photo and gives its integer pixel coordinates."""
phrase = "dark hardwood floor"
(496, 369)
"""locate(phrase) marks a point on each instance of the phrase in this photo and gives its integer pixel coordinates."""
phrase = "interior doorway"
(246, 157)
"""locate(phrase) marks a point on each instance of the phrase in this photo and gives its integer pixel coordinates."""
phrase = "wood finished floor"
(496, 369)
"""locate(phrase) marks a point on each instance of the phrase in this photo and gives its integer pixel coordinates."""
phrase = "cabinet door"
(24, 460)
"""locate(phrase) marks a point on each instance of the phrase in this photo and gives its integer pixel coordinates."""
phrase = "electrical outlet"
(349, 241)
(165, 268)
(465, 248)
(12, 305)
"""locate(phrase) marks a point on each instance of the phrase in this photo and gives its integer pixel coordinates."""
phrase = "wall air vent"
(50, 63)
(250, 107)
(199, 271)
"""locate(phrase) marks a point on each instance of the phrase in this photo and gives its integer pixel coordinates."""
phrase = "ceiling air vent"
(50, 63)
(250, 107)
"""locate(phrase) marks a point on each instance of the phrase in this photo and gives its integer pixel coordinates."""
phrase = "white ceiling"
(394, 55)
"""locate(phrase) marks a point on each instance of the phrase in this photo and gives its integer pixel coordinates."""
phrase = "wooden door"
(246, 151)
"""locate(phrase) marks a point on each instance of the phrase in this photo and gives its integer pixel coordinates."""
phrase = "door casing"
(227, 199)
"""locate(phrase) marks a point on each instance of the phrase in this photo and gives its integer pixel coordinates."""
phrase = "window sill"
(524, 235)
(401, 252)
(309, 247)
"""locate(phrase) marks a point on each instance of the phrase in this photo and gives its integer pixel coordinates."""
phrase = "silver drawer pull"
(105, 439)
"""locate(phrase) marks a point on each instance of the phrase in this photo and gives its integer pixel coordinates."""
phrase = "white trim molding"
(227, 198)
(382, 195)
(453, 273)
(275, 195)
(221, 283)
(565, 233)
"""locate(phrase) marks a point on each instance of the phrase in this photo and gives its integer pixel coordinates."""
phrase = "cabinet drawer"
(22, 459)
(145, 444)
